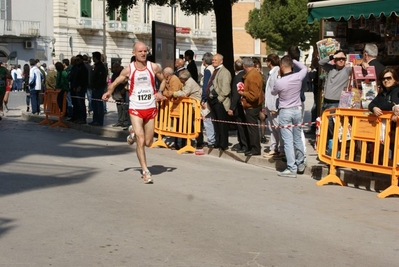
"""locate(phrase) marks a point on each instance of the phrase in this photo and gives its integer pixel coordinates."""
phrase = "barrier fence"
(360, 141)
(51, 108)
(178, 118)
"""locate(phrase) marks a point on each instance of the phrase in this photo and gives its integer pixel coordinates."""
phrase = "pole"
(104, 34)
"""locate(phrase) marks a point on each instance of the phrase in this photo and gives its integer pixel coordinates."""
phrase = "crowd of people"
(249, 98)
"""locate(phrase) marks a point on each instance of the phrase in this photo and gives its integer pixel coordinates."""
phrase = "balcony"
(20, 28)
(89, 24)
(201, 34)
(115, 26)
(142, 29)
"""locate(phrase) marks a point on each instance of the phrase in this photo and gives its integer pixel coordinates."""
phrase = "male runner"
(140, 75)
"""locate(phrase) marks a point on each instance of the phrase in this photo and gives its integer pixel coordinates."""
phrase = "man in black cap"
(98, 86)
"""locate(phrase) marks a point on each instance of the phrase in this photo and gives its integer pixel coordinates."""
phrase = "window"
(85, 8)
(173, 15)
(197, 23)
(146, 12)
(119, 14)
(3, 13)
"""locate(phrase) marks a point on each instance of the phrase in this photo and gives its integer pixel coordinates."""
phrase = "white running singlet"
(141, 87)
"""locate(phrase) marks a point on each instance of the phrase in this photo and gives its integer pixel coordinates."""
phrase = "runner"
(140, 75)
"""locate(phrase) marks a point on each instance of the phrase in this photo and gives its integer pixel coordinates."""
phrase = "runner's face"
(140, 52)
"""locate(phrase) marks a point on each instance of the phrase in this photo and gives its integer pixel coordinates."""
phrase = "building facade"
(59, 29)
(26, 34)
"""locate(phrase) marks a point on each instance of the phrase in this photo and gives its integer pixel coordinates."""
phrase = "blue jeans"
(34, 97)
(330, 120)
(293, 146)
(89, 94)
(210, 132)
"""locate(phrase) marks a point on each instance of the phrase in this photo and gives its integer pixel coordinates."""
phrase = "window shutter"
(85, 8)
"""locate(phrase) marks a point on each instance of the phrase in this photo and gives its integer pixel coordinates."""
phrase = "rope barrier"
(214, 120)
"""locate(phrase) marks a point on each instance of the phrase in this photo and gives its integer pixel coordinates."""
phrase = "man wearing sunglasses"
(336, 80)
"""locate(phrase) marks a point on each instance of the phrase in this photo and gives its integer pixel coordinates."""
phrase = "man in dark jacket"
(191, 67)
(237, 110)
(79, 80)
(98, 86)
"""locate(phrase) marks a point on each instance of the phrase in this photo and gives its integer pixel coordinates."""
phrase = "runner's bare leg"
(138, 126)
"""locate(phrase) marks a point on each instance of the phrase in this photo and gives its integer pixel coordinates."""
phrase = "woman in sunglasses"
(389, 93)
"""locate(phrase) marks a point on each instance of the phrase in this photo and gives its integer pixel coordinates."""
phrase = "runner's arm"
(122, 78)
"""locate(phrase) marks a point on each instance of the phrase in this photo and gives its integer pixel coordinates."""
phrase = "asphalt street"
(70, 198)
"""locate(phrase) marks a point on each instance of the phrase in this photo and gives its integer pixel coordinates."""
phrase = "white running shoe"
(147, 177)
(131, 138)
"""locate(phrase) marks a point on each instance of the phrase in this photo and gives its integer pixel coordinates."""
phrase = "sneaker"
(301, 168)
(147, 177)
(131, 138)
(287, 173)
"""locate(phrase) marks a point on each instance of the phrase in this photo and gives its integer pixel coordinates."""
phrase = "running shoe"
(131, 138)
(147, 177)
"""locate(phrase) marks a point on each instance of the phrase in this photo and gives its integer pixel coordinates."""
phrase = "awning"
(346, 9)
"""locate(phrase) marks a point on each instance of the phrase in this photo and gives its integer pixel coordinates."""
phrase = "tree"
(281, 23)
(223, 14)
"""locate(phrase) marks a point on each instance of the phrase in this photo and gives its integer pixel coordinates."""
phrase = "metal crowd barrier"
(51, 108)
(360, 141)
(179, 118)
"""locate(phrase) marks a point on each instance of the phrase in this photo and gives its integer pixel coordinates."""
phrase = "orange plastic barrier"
(361, 141)
(179, 118)
(51, 108)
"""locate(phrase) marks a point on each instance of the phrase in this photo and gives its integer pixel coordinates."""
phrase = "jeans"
(34, 97)
(89, 94)
(293, 146)
(276, 142)
(210, 132)
(330, 120)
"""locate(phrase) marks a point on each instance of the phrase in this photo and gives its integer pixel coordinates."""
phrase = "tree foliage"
(281, 23)
(189, 7)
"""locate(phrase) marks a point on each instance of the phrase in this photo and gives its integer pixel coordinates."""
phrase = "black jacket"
(386, 99)
(99, 76)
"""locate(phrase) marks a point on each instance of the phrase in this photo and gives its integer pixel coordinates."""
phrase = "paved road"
(69, 198)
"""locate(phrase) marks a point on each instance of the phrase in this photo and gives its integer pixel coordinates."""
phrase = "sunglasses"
(340, 58)
(388, 78)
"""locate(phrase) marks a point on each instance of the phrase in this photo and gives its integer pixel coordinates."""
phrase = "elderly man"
(179, 66)
(370, 54)
(170, 83)
(193, 90)
(218, 96)
(288, 88)
(252, 97)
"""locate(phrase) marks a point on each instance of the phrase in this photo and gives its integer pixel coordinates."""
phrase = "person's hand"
(377, 111)
(106, 96)
(203, 105)
(230, 112)
(365, 65)
(159, 97)
(394, 118)
(240, 92)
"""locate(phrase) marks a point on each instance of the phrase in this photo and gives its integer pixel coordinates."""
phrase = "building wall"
(244, 44)
(73, 40)
(20, 14)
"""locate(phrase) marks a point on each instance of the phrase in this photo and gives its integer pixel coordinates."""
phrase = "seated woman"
(386, 99)
(388, 96)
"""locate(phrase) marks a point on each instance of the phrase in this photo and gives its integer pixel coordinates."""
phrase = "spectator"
(262, 112)
(170, 83)
(35, 86)
(237, 110)
(191, 66)
(51, 77)
(119, 95)
(276, 145)
(288, 89)
(25, 76)
(61, 83)
(252, 98)
(79, 79)
(98, 86)
(179, 66)
(370, 54)
(218, 96)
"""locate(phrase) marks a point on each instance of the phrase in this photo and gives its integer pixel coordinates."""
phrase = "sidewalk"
(315, 168)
